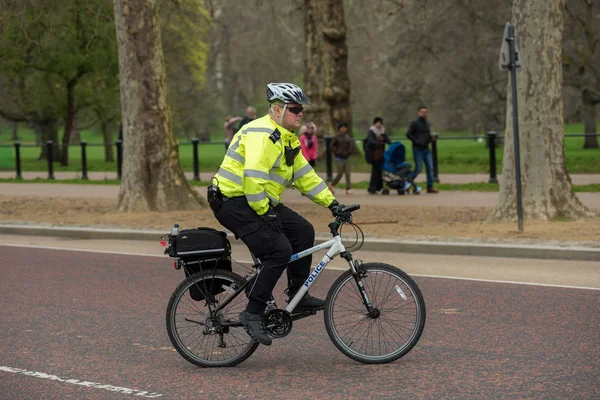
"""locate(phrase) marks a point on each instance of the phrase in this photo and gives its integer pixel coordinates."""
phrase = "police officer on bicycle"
(263, 159)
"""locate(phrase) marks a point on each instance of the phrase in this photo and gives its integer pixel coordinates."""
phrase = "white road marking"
(507, 282)
(112, 388)
(330, 267)
(122, 253)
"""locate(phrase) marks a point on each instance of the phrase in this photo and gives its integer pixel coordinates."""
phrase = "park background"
(219, 57)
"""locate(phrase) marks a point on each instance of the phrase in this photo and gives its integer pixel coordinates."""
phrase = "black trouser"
(376, 182)
(272, 247)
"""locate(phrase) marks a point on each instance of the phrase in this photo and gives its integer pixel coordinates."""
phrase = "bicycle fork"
(358, 273)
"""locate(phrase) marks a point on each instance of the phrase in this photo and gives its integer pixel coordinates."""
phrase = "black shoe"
(307, 302)
(256, 327)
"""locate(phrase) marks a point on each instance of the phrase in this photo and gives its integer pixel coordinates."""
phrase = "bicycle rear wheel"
(199, 334)
(385, 335)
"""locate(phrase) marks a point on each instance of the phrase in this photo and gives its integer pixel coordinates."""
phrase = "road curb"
(574, 253)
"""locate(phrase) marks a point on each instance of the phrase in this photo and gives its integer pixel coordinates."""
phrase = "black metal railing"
(195, 160)
(492, 143)
(50, 158)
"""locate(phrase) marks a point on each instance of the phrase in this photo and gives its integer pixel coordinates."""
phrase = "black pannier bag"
(214, 286)
(201, 244)
(202, 249)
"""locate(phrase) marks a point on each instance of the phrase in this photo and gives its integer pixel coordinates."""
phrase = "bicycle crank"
(278, 323)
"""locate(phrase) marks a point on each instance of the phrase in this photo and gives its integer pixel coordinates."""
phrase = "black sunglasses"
(295, 110)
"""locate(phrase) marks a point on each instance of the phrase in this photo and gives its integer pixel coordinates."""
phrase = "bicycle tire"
(412, 309)
(179, 332)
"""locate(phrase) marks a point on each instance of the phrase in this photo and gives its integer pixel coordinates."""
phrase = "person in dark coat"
(342, 147)
(250, 116)
(375, 146)
(419, 133)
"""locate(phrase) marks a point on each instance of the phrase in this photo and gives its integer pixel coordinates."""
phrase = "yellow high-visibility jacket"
(255, 166)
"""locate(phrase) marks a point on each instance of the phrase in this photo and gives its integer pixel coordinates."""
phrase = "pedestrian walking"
(419, 133)
(342, 147)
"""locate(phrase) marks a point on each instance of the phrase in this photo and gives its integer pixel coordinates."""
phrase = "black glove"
(271, 218)
(335, 208)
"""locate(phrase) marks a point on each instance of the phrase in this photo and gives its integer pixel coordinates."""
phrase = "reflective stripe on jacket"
(254, 166)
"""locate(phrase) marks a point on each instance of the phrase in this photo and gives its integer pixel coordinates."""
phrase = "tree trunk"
(589, 123)
(47, 130)
(15, 131)
(38, 134)
(69, 122)
(219, 48)
(75, 139)
(152, 176)
(546, 186)
(326, 65)
(107, 138)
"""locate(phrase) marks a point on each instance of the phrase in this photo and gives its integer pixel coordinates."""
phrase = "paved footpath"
(577, 179)
(445, 199)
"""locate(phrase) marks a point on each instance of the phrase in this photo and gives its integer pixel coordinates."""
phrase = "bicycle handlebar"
(350, 208)
(342, 216)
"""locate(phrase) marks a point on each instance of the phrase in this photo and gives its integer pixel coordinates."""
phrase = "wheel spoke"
(385, 336)
(353, 291)
(352, 306)
(389, 293)
(354, 328)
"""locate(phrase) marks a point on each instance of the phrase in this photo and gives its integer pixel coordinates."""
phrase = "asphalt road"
(91, 326)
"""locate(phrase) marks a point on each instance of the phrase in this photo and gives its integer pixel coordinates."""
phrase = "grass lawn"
(454, 155)
(7, 159)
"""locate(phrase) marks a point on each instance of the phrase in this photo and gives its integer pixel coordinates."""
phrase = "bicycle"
(208, 333)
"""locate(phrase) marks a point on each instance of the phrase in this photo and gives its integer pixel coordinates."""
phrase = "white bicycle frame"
(335, 247)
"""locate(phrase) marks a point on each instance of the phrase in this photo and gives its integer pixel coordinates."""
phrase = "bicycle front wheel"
(200, 334)
(391, 330)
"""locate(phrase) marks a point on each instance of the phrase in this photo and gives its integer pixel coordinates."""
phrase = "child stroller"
(396, 171)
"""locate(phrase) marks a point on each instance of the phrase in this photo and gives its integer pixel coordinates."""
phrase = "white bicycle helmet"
(287, 93)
